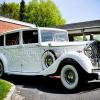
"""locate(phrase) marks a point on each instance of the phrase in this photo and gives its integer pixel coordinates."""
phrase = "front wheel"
(69, 77)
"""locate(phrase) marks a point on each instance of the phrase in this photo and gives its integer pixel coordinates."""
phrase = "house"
(7, 24)
(82, 28)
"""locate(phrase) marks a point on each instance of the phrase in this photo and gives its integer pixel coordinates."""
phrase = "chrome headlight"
(88, 51)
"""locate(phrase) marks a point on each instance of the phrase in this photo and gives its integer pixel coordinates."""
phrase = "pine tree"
(22, 10)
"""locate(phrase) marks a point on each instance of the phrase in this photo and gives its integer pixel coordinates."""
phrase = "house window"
(30, 36)
(78, 38)
(1, 40)
(12, 39)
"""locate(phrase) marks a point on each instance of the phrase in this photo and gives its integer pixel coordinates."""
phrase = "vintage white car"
(47, 51)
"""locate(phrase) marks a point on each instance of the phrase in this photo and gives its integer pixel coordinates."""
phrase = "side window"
(30, 36)
(12, 39)
(1, 40)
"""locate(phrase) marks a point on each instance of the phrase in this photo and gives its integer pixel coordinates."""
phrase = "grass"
(4, 88)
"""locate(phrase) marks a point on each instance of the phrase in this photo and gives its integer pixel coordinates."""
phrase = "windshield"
(53, 35)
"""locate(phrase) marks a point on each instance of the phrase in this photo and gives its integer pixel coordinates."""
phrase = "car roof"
(49, 28)
(17, 30)
(29, 28)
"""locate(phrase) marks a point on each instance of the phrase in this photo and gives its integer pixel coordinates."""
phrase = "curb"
(10, 93)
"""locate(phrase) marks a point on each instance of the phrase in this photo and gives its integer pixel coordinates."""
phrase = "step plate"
(96, 71)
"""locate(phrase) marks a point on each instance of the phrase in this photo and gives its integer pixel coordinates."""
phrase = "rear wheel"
(70, 77)
(1, 70)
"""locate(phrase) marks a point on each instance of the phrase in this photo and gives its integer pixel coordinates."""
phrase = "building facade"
(7, 24)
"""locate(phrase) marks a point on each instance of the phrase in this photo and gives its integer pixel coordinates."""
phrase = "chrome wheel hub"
(69, 76)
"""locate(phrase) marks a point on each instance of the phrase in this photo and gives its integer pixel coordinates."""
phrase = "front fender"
(80, 58)
(4, 61)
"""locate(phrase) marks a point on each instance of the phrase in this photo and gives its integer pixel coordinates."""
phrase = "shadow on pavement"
(47, 84)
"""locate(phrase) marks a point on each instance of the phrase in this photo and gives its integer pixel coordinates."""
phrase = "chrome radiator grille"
(93, 52)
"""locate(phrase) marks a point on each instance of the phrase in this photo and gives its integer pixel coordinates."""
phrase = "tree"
(10, 10)
(22, 10)
(44, 13)
(39, 12)
(3, 9)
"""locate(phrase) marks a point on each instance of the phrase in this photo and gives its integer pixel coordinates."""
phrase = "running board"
(97, 71)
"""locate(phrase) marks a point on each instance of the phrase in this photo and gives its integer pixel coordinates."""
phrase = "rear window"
(12, 39)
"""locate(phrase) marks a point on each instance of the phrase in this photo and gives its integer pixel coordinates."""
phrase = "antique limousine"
(47, 51)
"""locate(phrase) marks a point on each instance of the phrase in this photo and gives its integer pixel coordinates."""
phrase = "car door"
(12, 52)
(31, 61)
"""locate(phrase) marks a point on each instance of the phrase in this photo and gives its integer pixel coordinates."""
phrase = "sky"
(74, 11)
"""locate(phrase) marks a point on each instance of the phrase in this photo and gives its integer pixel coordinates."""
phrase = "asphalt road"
(45, 88)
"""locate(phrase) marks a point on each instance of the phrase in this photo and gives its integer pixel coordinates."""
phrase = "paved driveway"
(45, 88)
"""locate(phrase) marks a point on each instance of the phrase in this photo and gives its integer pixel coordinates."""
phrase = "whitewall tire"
(69, 77)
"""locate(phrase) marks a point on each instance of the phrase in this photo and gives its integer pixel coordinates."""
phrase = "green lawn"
(4, 88)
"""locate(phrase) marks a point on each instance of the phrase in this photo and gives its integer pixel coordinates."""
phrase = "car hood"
(83, 43)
